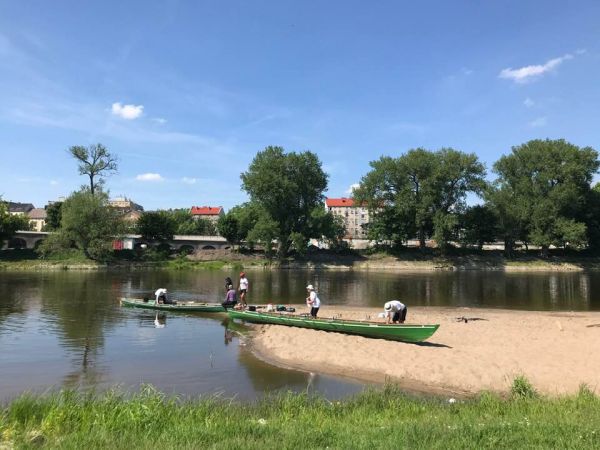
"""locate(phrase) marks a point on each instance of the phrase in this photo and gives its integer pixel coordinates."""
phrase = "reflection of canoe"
(404, 332)
(180, 306)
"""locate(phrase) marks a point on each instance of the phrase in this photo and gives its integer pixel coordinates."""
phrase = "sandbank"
(556, 351)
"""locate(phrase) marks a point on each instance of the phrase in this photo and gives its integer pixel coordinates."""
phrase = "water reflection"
(67, 328)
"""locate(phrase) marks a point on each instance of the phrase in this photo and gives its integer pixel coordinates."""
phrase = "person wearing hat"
(313, 301)
(243, 288)
(395, 311)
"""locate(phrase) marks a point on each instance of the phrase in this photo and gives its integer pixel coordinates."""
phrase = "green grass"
(374, 419)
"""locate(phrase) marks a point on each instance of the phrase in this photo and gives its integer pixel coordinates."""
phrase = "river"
(68, 330)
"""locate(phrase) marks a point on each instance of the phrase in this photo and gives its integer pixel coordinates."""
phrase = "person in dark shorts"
(395, 311)
(243, 287)
(313, 301)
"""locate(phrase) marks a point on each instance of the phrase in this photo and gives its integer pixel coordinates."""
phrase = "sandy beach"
(556, 351)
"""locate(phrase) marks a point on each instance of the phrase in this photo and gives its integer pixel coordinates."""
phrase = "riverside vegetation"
(384, 418)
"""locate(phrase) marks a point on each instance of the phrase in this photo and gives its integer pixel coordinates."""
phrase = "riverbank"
(555, 350)
(373, 419)
(410, 261)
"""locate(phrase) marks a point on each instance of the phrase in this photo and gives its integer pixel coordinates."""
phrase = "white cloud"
(525, 74)
(159, 120)
(149, 177)
(187, 180)
(528, 102)
(54, 182)
(128, 112)
(350, 190)
(539, 122)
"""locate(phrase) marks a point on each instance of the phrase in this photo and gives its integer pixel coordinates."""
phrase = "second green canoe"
(403, 332)
(179, 306)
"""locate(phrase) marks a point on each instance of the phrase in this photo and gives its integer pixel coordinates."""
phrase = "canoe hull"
(407, 333)
(181, 306)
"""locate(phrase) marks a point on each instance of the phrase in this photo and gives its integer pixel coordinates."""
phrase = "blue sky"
(186, 93)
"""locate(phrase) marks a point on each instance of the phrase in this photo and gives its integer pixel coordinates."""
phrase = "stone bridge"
(31, 239)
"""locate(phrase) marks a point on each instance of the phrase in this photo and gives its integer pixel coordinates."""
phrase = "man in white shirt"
(395, 311)
(313, 301)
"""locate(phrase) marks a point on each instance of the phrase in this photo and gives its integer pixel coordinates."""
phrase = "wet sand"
(556, 351)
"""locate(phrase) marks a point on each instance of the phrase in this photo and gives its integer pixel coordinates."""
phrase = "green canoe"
(180, 306)
(403, 332)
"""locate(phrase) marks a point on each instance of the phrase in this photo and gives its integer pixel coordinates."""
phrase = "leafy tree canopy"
(10, 223)
(88, 222)
(542, 186)
(156, 226)
(419, 193)
(287, 187)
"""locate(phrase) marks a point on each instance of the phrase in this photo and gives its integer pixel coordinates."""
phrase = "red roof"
(339, 202)
(206, 210)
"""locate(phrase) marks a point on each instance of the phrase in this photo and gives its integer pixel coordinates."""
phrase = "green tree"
(95, 161)
(419, 193)
(89, 223)
(479, 225)
(546, 183)
(53, 216)
(156, 226)
(10, 224)
(287, 187)
(228, 227)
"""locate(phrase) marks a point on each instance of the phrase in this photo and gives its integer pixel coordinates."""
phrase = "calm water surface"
(67, 329)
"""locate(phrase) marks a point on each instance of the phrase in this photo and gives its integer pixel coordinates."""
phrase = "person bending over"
(395, 311)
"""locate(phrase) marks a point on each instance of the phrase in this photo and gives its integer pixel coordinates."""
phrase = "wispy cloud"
(149, 177)
(187, 180)
(128, 112)
(528, 73)
(351, 189)
(528, 102)
(159, 120)
(539, 122)
(54, 183)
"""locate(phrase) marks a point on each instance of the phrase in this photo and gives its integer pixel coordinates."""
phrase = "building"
(354, 216)
(211, 213)
(37, 219)
(19, 209)
(124, 205)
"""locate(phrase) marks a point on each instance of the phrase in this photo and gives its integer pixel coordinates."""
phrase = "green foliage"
(522, 388)
(479, 225)
(10, 224)
(384, 418)
(95, 161)
(88, 223)
(542, 188)
(288, 187)
(330, 227)
(156, 226)
(264, 232)
(53, 216)
(187, 224)
(419, 193)
(228, 227)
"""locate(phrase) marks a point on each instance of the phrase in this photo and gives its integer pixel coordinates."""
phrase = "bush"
(522, 388)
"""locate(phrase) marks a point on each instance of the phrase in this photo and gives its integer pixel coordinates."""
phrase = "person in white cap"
(395, 311)
(313, 301)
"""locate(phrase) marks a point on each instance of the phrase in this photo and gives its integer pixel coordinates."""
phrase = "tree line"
(541, 195)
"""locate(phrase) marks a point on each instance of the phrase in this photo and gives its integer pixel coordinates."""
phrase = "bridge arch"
(17, 243)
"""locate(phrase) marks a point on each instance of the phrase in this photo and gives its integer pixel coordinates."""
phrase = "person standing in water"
(243, 288)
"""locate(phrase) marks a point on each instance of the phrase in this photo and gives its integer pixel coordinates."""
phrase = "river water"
(67, 329)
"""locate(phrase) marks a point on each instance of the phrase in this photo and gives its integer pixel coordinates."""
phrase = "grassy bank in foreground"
(374, 419)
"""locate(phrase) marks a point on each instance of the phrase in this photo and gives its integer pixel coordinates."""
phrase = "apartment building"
(354, 216)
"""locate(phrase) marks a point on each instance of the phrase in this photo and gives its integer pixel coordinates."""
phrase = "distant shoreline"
(326, 262)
